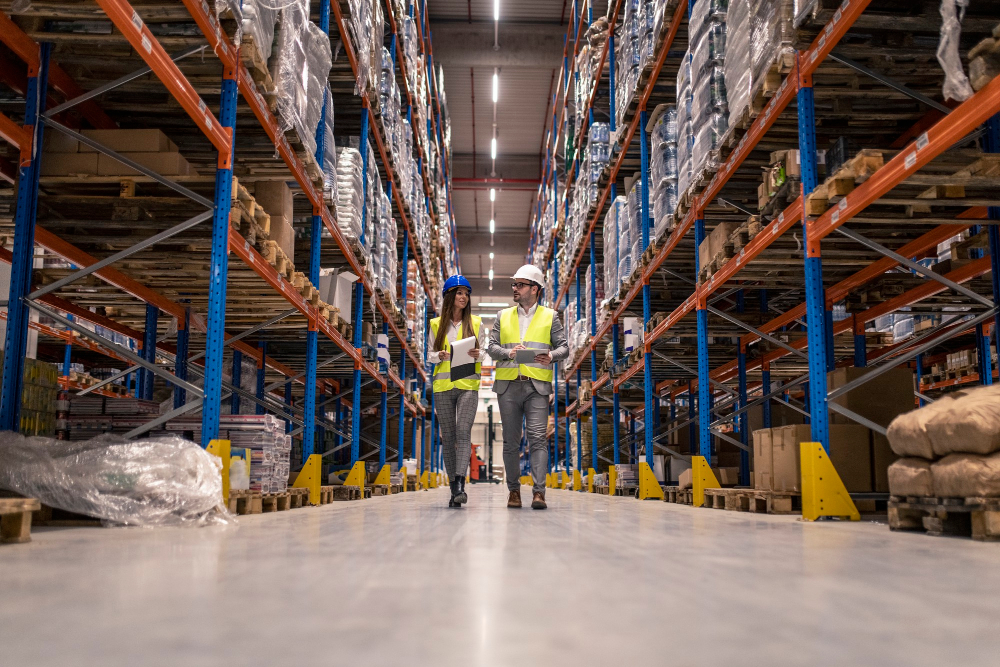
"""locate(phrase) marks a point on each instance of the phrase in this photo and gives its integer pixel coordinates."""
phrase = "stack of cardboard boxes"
(860, 455)
(65, 156)
(276, 199)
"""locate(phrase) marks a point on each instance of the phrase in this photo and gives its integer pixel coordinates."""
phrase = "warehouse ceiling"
(529, 37)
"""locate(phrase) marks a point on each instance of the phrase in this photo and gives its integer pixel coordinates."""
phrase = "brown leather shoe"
(538, 501)
(514, 499)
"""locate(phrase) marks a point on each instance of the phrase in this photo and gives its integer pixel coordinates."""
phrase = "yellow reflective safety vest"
(537, 337)
(442, 370)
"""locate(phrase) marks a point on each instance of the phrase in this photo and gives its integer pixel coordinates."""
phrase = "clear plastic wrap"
(956, 83)
(303, 67)
(350, 189)
(162, 481)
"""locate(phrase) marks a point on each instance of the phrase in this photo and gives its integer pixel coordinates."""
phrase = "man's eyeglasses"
(521, 285)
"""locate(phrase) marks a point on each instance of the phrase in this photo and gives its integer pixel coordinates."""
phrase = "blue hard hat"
(456, 281)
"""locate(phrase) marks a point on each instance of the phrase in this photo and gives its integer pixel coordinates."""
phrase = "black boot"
(461, 497)
(454, 502)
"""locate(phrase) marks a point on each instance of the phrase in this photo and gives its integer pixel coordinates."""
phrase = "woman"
(456, 402)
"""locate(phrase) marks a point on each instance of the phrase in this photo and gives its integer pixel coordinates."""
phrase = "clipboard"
(463, 364)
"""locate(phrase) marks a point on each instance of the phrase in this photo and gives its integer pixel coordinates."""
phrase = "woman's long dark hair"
(446, 317)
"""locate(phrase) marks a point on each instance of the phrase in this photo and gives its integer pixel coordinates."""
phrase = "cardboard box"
(130, 141)
(762, 461)
(165, 164)
(275, 198)
(69, 164)
(763, 195)
(727, 476)
(711, 246)
(684, 479)
(881, 400)
(677, 467)
(343, 292)
(283, 234)
(850, 453)
(58, 142)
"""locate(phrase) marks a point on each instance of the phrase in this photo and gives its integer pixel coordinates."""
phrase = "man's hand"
(511, 353)
(444, 356)
(544, 358)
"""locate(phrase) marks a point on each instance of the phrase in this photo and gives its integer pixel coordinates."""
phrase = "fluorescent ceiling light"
(496, 10)
(496, 87)
(493, 148)
(493, 194)
(493, 226)
(491, 278)
(484, 316)
(493, 304)
(491, 255)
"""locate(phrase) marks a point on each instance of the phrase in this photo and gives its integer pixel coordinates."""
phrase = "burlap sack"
(911, 477)
(907, 433)
(970, 424)
(967, 475)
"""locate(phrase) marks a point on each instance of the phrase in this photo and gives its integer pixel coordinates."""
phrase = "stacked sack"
(951, 448)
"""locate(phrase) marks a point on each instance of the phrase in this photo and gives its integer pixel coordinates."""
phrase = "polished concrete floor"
(405, 581)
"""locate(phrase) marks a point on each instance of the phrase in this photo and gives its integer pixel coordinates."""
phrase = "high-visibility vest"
(537, 337)
(442, 370)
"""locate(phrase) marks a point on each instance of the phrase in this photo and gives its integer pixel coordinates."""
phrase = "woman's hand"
(444, 356)
(474, 353)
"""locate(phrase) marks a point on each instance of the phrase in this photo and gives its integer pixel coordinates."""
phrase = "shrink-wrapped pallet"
(301, 72)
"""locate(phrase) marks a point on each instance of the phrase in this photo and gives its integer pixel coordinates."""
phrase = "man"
(523, 390)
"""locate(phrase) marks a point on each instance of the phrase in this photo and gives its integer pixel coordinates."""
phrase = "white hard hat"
(532, 273)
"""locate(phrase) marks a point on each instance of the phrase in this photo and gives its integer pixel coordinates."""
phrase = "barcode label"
(910, 160)
(146, 44)
(136, 20)
(922, 141)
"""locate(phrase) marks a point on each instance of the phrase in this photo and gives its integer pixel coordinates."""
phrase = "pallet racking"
(865, 68)
(119, 51)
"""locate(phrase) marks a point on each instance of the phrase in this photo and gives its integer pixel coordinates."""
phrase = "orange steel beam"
(128, 21)
(50, 241)
(835, 29)
(960, 122)
(15, 134)
(590, 105)
(27, 50)
(227, 53)
(674, 26)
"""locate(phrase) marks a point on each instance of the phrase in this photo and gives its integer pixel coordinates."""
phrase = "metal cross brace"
(123, 351)
(758, 332)
(884, 368)
(100, 90)
(918, 268)
(693, 372)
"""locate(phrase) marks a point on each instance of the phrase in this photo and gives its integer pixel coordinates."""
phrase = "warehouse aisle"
(403, 580)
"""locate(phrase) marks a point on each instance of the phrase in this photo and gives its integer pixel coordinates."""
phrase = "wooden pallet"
(760, 501)
(15, 519)
(673, 494)
(298, 498)
(841, 183)
(326, 495)
(347, 493)
(733, 246)
(245, 502)
(275, 502)
(381, 490)
(978, 517)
